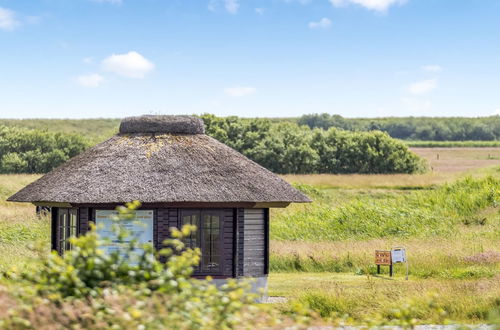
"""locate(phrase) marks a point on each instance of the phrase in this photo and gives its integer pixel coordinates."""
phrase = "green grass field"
(322, 254)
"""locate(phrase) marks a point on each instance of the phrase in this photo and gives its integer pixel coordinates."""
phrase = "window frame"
(201, 238)
(67, 226)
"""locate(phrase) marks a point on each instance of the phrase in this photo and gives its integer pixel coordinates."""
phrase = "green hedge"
(285, 147)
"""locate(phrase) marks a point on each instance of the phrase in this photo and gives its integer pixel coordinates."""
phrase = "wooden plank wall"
(83, 223)
(255, 254)
(240, 236)
(162, 225)
(227, 238)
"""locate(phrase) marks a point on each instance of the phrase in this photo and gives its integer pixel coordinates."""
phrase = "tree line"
(414, 128)
(36, 151)
(282, 147)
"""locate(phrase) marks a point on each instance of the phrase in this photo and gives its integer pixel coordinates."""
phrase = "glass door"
(207, 237)
(67, 224)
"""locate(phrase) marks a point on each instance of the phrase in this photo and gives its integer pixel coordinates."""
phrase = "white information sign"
(398, 255)
(139, 228)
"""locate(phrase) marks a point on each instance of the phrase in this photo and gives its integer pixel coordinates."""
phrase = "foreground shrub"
(87, 288)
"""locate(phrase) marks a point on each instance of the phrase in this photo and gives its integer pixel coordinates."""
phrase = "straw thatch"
(160, 168)
(162, 124)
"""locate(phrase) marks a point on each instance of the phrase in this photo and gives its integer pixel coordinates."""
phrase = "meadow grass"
(367, 297)
(322, 253)
(420, 213)
(21, 231)
(465, 255)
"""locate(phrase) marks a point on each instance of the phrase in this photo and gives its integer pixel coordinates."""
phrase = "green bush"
(34, 151)
(284, 147)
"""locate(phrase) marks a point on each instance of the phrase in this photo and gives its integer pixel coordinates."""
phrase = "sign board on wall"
(140, 228)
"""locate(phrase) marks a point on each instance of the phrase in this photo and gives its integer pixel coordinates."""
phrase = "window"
(66, 228)
(208, 237)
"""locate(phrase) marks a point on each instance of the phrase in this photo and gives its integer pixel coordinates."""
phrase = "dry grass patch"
(11, 183)
(452, 164)
(453, 160)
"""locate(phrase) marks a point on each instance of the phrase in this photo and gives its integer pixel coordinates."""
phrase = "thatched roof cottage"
(180, 175)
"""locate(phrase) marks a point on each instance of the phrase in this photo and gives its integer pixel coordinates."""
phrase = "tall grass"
(469, 254)
(435, 302)
(424, 213)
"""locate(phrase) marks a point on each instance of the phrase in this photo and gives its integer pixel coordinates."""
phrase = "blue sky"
(275, 58)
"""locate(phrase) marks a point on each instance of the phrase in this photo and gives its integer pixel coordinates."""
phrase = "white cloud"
(115, 2)
(8, 20)
(260, 11)
(231, 6)
(92, 80)
(88, 60)
(131, 64)
(377, 5)
(423, 86)
(497, 112)
(323, 23)
(239, 91)
(432, 68)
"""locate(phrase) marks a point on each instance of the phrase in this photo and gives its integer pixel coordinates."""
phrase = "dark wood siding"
(254, 246)
(240, 236)
(162, 226)
(227, 237)
(54, 229)
(83, 220)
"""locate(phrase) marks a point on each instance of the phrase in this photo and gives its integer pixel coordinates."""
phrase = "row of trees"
(286, 147)
(282, 147)
(35, 151)
(414, 128)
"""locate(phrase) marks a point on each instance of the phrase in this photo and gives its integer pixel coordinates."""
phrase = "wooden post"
(378, 269)
(390, 270)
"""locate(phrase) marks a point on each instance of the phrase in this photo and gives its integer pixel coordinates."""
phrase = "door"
(207, 237)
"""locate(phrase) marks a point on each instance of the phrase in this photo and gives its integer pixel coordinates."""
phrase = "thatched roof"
(168, 162)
